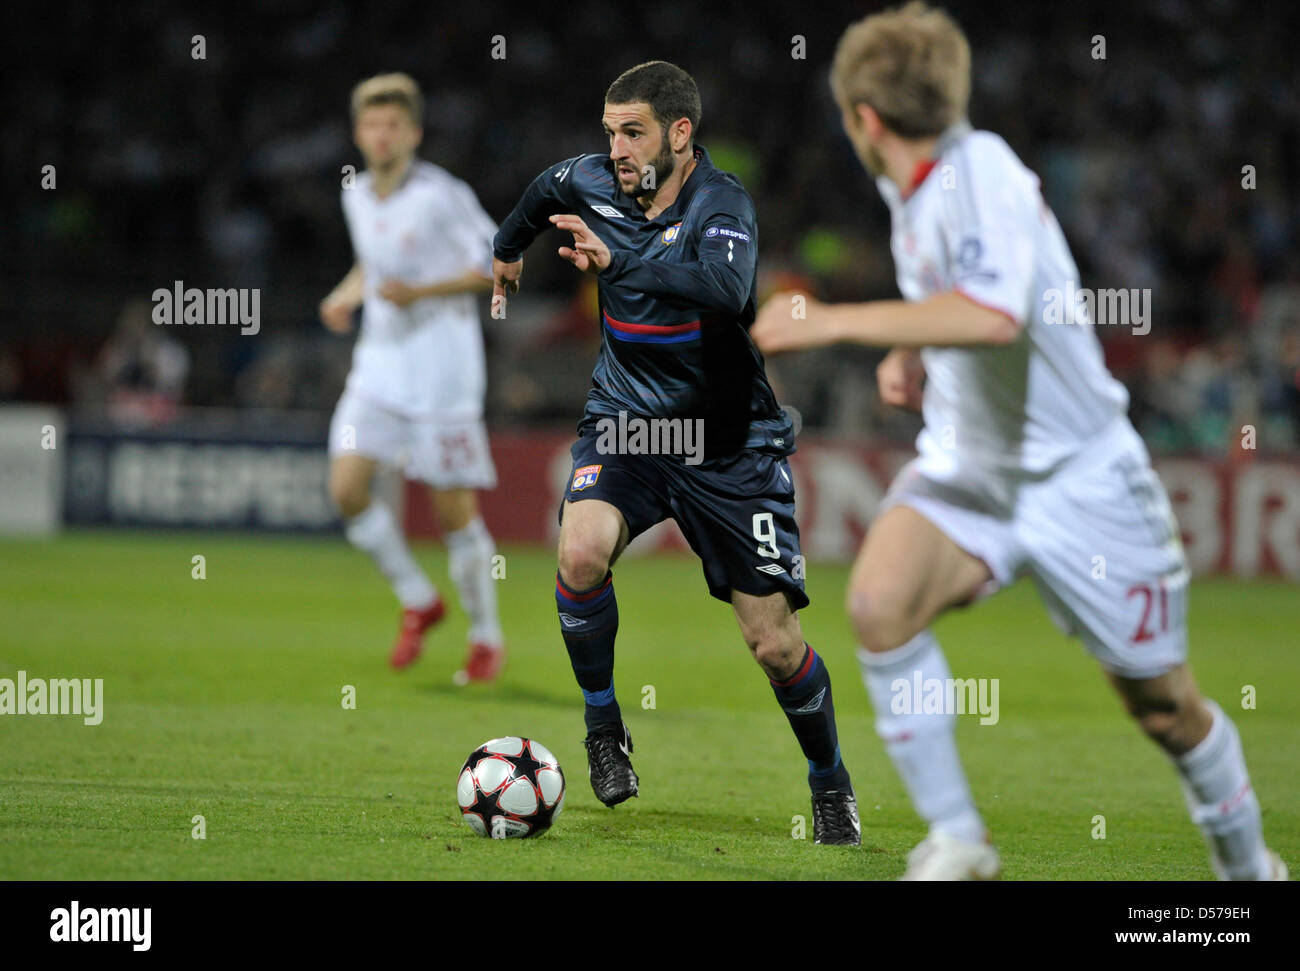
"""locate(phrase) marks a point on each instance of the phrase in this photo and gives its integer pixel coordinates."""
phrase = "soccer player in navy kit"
(673, 243)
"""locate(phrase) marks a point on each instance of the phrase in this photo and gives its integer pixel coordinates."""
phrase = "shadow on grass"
(507, 692)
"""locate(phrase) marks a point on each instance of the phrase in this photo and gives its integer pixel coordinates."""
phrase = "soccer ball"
(510, 787)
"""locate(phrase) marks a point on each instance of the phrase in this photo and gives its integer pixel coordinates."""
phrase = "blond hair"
(389, 89)
(910, 64)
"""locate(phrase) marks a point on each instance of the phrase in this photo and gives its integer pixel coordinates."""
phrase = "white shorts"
(1098, 536)
(446, 453)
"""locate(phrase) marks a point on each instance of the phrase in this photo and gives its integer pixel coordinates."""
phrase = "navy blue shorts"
(737, 512)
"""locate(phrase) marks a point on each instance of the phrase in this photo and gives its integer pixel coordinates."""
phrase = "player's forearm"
(349, 290)
(526, 221)
(704, 285)
(946, 319)
(470, 282)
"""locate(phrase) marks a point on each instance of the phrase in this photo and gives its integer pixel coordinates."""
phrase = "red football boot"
(483, 663)
(410, 639)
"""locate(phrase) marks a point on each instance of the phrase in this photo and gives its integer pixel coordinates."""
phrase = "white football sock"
(375, 531)
(1222, 802)
(470, 551)
(922, 745)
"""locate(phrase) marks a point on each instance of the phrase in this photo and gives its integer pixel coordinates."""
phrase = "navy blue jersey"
(676, 301)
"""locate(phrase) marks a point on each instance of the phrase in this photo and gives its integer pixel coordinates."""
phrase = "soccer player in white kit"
(1027, 463)
(414, 396)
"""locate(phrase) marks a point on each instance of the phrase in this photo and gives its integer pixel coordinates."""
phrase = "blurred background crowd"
(1173, 163)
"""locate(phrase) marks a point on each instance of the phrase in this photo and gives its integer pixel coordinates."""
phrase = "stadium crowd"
(1166, 133)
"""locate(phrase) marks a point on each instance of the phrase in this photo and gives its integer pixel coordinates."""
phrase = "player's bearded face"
(659, 169)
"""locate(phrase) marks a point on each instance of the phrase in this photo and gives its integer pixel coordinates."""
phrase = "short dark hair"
(668, 90)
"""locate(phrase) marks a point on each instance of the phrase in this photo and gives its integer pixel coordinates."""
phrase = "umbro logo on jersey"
(775, 569)
(568, 620)
(609, 212)
(814, 704)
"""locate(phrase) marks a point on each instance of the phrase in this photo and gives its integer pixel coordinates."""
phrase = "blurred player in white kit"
(1028, 463)
(414, 396)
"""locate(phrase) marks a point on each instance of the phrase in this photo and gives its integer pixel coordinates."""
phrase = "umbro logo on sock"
(568, 620)
(814, 705)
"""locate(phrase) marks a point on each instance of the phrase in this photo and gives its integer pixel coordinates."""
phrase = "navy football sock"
(806, 699)
(589, 623)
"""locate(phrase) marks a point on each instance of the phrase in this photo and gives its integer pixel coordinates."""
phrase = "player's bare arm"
(943, 320)
(404, 294)
(336, 310)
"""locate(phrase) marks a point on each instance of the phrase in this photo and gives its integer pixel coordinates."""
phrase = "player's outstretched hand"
(901, 378)
(336, 314)
(505, 279)
(588, 253)
(789, 321)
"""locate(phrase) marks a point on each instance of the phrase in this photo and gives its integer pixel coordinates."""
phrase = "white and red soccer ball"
(510, 787)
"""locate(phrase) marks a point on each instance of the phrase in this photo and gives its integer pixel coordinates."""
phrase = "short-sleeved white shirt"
(977, 224)
(425, 359)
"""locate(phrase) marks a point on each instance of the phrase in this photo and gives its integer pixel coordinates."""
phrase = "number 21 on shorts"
(1157, 611)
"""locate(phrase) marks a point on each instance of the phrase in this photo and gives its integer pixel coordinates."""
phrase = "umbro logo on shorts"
(774, 569)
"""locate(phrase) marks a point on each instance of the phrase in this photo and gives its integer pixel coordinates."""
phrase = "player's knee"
(350, 497)
(776, 654)
(583, 563)
(880, 621)
(455, 515)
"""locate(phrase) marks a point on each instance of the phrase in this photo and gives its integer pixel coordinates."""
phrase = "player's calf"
(1205, 748)
(809, 705)
(589, 625)
(592, 533)
(802, 686)
(778, 652)
(1169, 709)
(470, 554)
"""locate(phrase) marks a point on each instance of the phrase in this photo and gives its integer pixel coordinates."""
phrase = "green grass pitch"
(223, 699)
